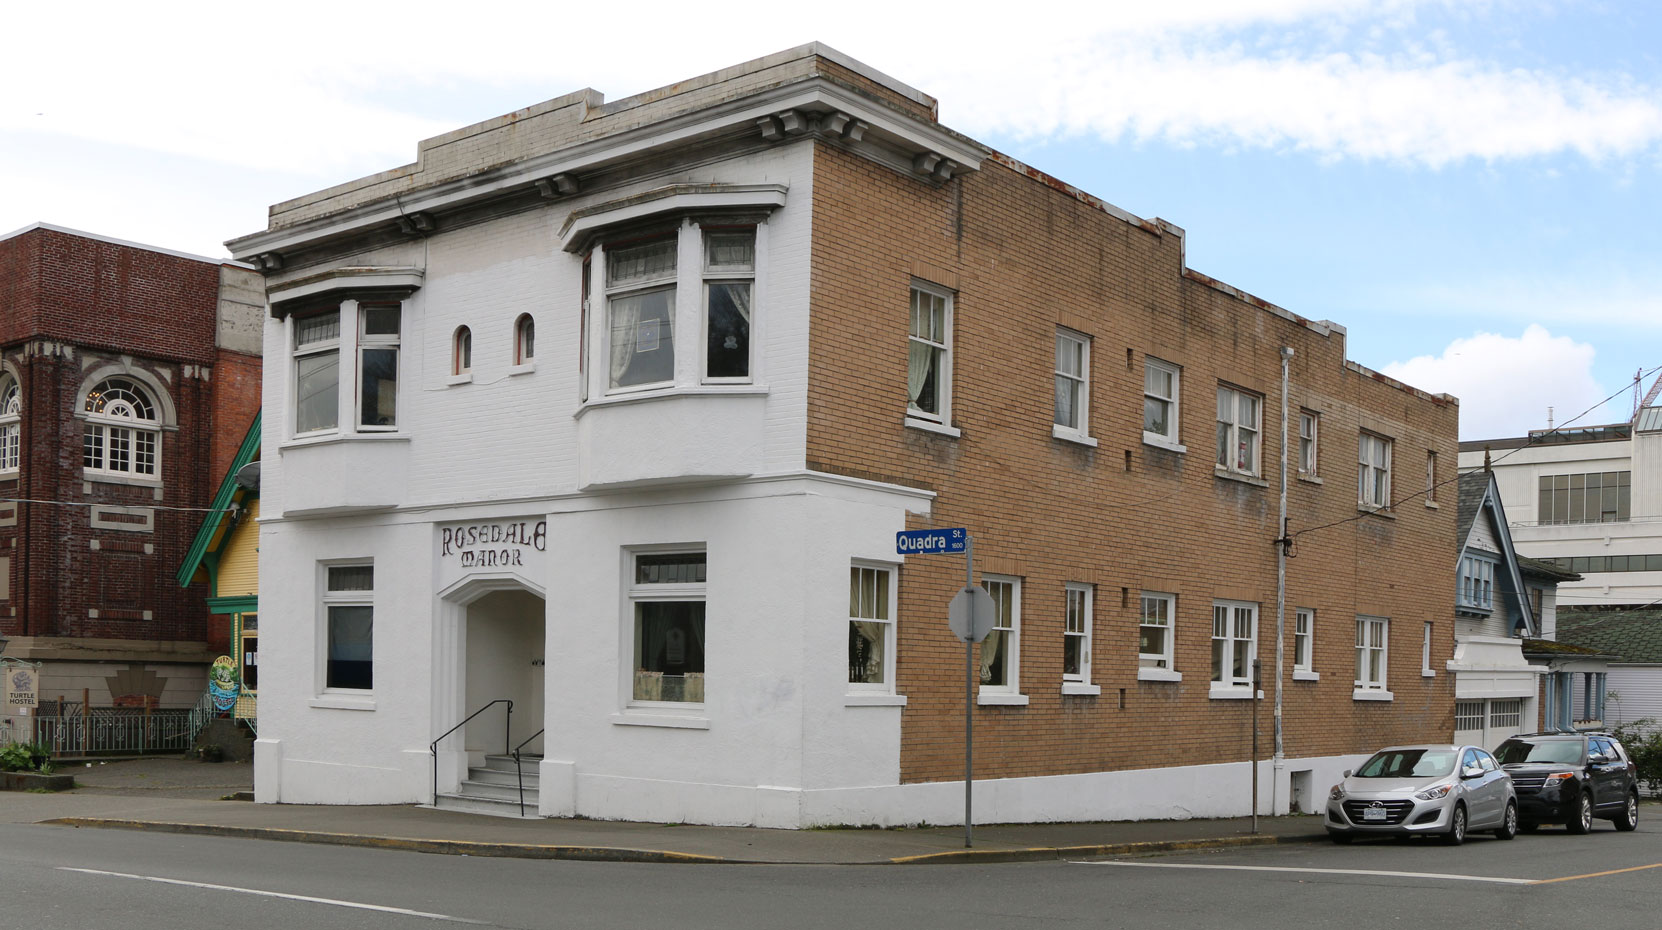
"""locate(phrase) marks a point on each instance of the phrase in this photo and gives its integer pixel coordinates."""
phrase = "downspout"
(1281, 586)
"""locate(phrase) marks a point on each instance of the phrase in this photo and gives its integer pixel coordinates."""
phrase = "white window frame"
(1373, 641)
(1008, 691)
(1170, 438)
(1373, 471)
(1077, 628)
(348, 348)
(141, 433)
(1228, 635)
(1162, 665)
(1476, 591)
(941, 419)
(881, 608)
(1304, 645)
(332, 598)
(613, 292)
(11, 426)
(1309, 443)
(1073, 349)
(1426, 671)
(1233, 433)
(715, 275)
(638, 593)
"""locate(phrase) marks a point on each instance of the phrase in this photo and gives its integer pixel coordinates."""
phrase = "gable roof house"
(1631, 641)
(589, 434)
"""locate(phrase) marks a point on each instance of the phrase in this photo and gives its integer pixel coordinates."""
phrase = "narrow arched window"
(524, 340)
(461, 357)
(11, 426)
(123, 434)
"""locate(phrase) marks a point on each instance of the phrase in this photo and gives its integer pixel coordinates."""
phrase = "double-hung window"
(11, 426)
(1234, 646)
(729, 276)
(1160, 385)
(349, 627)
(1076, 638)
(666, 595)
(1155, 639)
(1073, 384)
(331, 344)
(640, 308)
(871, 632)
(1308, 425)
(1001, 650)
(1304, 632)
(1477, 583)
(1373, 472)
(929, 356)
(1372, 641)
(1238, 431)
(123, 432)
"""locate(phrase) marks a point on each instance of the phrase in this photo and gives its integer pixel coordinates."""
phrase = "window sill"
(1376, 511)
(1228, 475)
(1371, 694)
(1159, 674)
(1069, 435)
(1300, 674)
(1310, 479)
(1081, 689)
(1161, 442)
(1431, 505)
(1000, 698)
(930, 426)
(857, 699)
(332, 438)
(342, 702)
(1427, 673)
(464, 378)
(116, 479)
(524, 369)
(1220, 693)
(636, 719)
(658, 393)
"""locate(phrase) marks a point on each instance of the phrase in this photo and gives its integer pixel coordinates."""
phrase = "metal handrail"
(520, 772)
(507, 725)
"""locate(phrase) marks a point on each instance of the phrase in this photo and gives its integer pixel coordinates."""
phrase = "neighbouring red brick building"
(128, 376)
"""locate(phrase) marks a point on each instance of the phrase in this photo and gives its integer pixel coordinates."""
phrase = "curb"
(658, 856)
(1046, 853)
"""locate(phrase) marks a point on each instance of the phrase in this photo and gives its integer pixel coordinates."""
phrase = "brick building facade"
(782, 314)
(130, 373)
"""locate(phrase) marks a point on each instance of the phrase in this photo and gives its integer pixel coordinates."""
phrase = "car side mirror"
(1598, 758)
(1346, 774)
(1472, 771)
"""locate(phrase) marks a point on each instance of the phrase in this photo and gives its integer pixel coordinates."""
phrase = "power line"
(30, 500)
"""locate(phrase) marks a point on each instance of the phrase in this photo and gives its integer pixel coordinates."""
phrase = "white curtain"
(989, 654)
(626, 313)
(918, 358)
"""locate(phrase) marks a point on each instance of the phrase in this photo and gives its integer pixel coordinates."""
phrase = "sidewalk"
(181, 796)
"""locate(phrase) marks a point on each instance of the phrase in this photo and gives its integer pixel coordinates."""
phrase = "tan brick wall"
(1024, 257)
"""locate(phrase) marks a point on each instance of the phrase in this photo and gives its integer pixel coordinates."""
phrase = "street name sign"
(910, 542)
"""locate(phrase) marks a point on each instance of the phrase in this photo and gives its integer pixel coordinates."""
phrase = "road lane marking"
(277, 894)
(1571, 878)
(1441, 876)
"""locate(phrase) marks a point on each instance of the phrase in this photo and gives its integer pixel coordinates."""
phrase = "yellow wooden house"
(226, 556)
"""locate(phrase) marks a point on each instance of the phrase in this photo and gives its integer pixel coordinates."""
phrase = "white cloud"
(1506, 384)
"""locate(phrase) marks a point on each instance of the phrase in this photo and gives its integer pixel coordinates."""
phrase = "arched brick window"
(123, 433)
(11, 425)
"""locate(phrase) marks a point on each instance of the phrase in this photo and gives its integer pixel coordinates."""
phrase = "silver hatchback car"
(1442, 791)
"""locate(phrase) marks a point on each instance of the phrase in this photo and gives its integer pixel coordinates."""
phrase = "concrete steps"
(493, 788)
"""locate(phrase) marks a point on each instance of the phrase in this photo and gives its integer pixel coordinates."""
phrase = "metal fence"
(74, 730)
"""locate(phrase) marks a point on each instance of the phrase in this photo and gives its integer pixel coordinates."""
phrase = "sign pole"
(969, 703)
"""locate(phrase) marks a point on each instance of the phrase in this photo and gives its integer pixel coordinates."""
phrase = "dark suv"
(1570, 778)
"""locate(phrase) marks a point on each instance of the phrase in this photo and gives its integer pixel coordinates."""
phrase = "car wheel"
(1343, 839)
(1509, 823)
(1581, 822)
(1628, 819)
(1456, 827)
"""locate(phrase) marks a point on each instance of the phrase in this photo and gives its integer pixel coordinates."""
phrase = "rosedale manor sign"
(492, 545)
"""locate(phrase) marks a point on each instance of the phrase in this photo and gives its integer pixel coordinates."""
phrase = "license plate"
(1374, 813)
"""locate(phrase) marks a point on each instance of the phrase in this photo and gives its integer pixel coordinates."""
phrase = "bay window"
(350, 342)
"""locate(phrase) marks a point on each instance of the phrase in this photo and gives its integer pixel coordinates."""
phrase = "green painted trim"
(222, 503)
(244, 604)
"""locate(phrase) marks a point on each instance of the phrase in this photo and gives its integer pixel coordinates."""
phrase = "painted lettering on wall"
(492, 545)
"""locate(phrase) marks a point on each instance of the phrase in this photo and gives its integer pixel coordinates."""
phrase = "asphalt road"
(58, 878)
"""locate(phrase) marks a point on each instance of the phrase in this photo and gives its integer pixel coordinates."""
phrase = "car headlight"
(1557, 777)
(1337, 794)
(1434, 792)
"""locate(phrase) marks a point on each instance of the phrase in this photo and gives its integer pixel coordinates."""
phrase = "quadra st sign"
(915, 542)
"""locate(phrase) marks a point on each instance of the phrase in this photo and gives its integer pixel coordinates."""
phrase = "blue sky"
(1470, 188)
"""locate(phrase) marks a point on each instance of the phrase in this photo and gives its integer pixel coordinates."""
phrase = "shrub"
(1643, 741)
(25, 757)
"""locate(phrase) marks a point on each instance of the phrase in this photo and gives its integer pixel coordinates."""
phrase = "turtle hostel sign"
(497, 544)
(22, 686)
